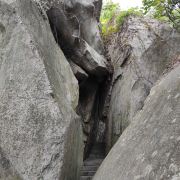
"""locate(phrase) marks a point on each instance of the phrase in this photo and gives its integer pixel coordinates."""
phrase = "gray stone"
(88, 24)
(90, 60)
(88, 93)
(40, 134)
(75, 25)
(80, 40)
(140, 53)
(150, 146)
(80, 74)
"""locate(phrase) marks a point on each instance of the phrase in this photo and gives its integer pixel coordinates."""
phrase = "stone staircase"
(92, 163)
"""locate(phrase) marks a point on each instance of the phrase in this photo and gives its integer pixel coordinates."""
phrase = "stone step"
(92, 159)
(98, 153)
(93, 162)
(88, 173)
(97, 149)
(90, 168)
(96, 156)
(86, 177)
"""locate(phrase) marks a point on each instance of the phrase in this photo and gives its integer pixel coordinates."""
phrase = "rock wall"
(149, 147)
(140, 53)
(75, 25)
(83, 17)
(58, 101)
(40, 133)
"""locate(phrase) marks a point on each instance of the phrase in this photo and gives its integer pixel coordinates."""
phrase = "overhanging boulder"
(75, 28)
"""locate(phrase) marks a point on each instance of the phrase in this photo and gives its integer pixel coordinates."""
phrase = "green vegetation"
(123, 14)
(164, 10)
(109, 12)
(112, 17)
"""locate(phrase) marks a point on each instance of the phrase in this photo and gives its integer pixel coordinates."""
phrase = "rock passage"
(74, 109)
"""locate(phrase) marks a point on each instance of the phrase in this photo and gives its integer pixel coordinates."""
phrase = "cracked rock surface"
(75, 25)
(140, 53)
(38, 92)
(150, 146)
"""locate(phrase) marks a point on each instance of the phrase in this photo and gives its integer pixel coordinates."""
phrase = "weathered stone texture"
(140, 53)
(150, 146)
(79, 73)
(75, 25)
(40, 134)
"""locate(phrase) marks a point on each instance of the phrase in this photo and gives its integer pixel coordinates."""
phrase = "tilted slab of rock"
(89, 59)
(140, 54)
(40, 134)
(149, 148)
(80, 74)
(80, 40)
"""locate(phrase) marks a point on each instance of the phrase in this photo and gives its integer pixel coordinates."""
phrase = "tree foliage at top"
(112, 17)
(167, 9)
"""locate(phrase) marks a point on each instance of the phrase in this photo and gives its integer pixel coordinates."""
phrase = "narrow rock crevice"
(93, 95)
(82, 45)
(93, 107)
(94, 99)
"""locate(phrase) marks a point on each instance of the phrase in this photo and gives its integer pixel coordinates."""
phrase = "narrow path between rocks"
(92, 163)
(86, 55)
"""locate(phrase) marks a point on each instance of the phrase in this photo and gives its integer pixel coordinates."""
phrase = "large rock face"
(140, 54)
(75, 25)
(150, 147)
(40, 134)
(84, 16)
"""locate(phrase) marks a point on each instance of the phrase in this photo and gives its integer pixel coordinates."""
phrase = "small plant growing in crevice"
(108, 14)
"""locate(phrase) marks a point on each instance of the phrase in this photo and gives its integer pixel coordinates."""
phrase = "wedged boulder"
(80, 40)
(82, 45)
(84, 16)
(89, 59)
(87, 13)
(80, 74)
(40, 134)
(149, 148)
(140, 53)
